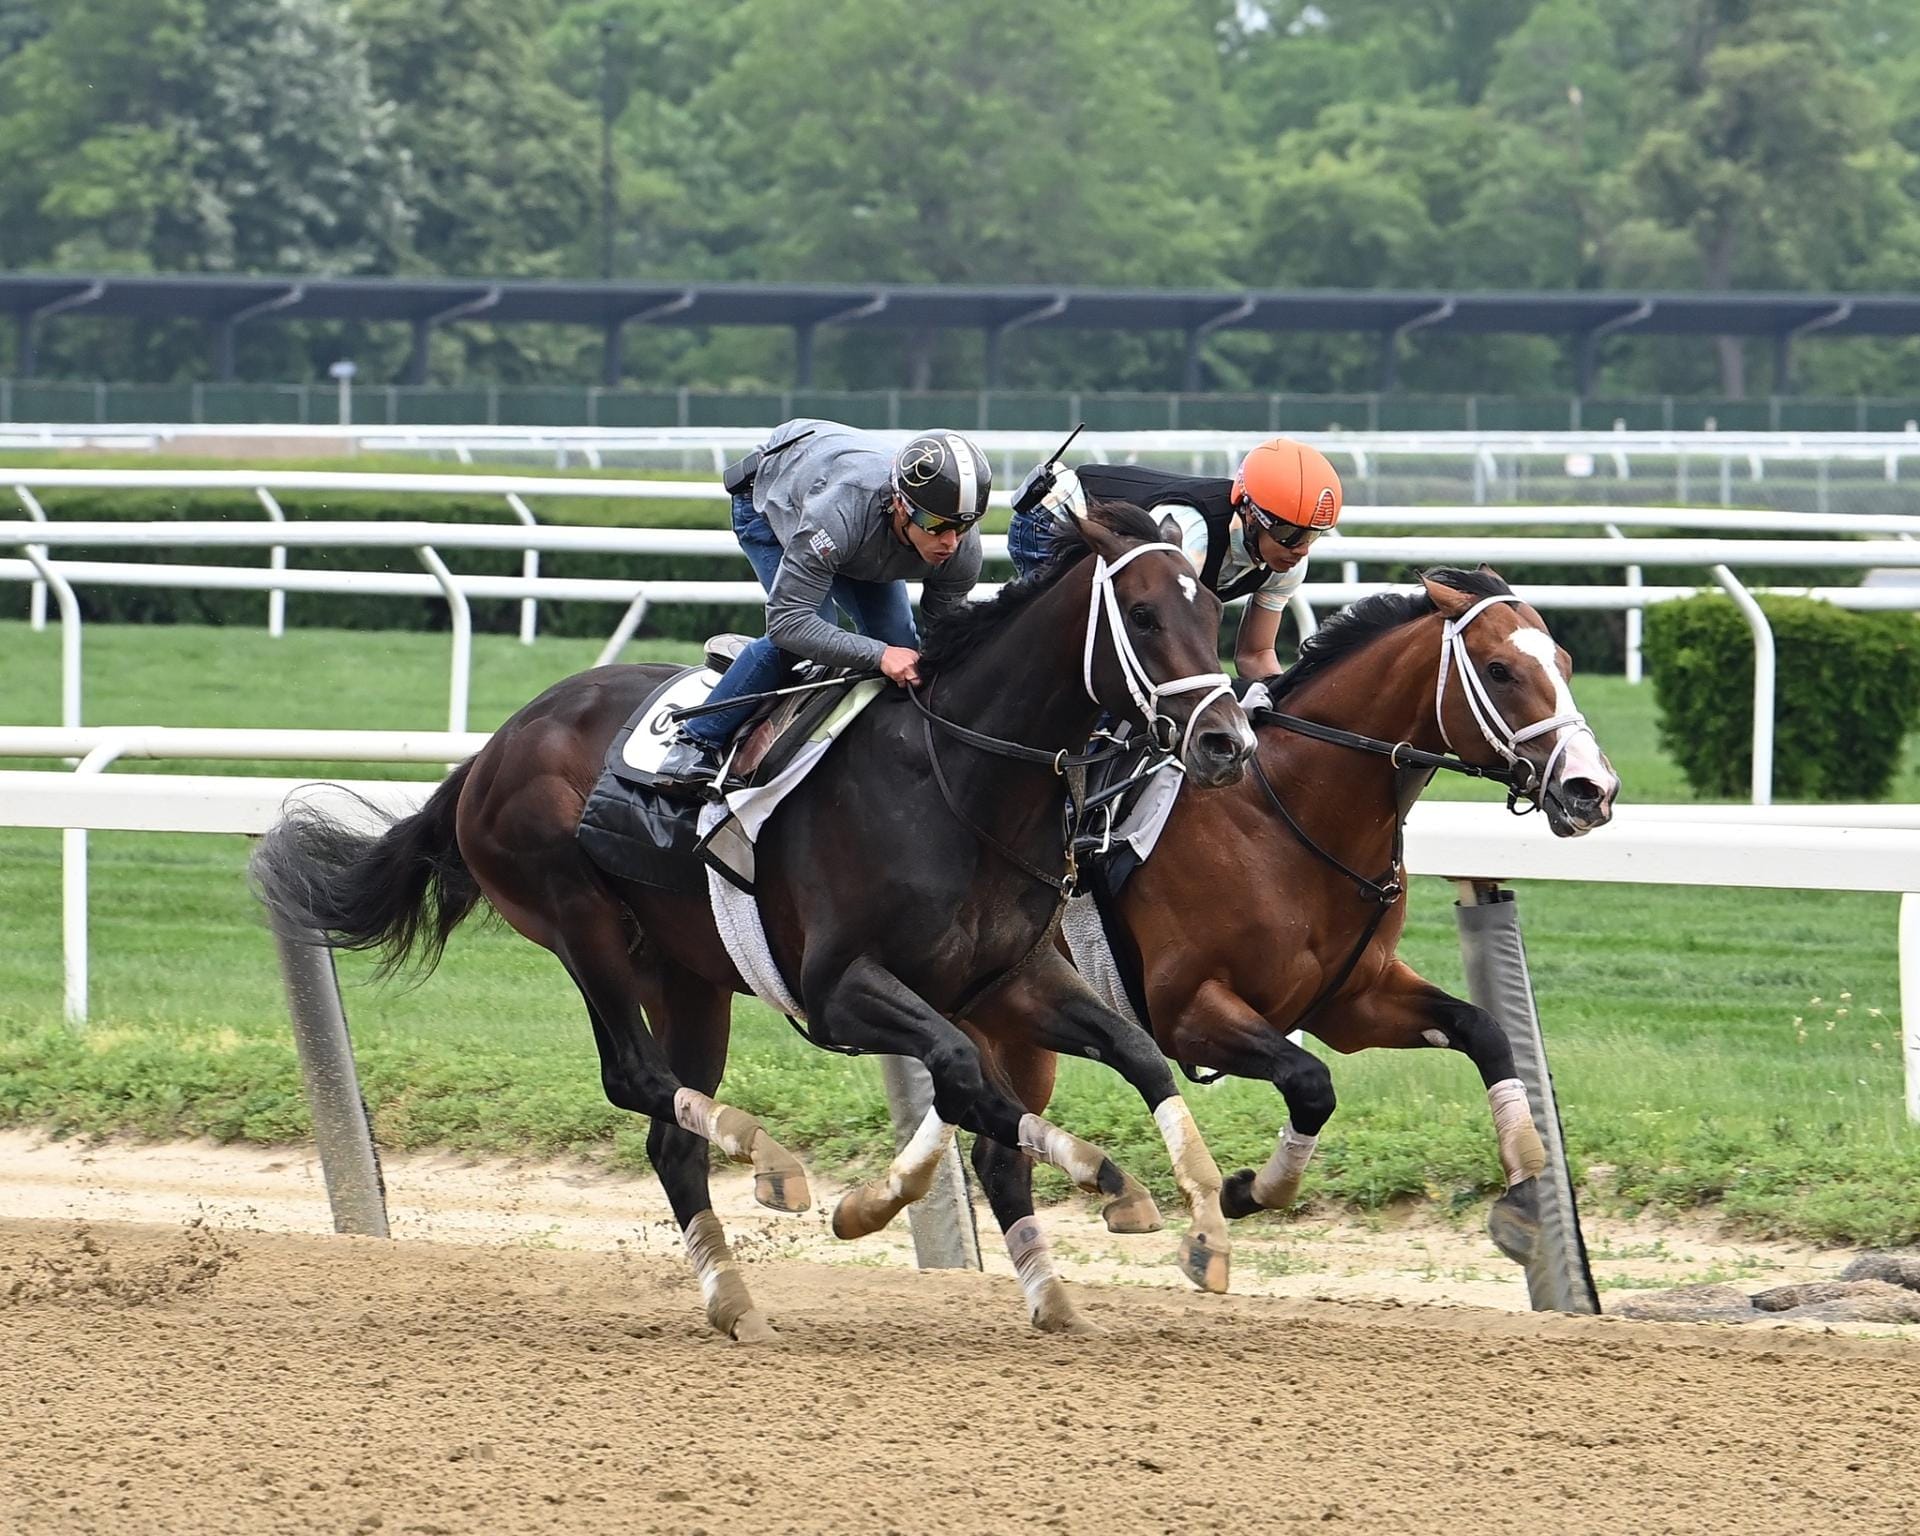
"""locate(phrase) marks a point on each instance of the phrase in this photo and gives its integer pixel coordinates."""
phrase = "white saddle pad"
(654, 734)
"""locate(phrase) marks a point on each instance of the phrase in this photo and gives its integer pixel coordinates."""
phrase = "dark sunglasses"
(1289, 536)
(933, 524)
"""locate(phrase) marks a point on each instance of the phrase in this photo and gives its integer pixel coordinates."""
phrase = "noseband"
(1529, 783)
(1146, 692)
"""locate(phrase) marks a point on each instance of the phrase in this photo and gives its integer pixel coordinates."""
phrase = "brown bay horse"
(1278, 904)
(911, 878)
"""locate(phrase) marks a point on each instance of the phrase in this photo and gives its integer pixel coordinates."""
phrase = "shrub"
(1847, 690)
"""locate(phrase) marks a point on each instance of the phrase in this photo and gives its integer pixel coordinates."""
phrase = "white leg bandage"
(1027, 1247)
(721, 1287)
(729, 1129)
(1193, 1166)
(1276, 1185)
(911, 1173)
(1521, 1153)
(1077, 1159)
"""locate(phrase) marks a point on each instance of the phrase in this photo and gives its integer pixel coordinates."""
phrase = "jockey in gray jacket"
(830, 517)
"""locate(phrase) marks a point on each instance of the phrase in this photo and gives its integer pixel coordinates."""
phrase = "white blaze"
(1582, 759)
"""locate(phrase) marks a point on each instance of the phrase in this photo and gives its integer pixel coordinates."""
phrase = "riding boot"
(691, 761)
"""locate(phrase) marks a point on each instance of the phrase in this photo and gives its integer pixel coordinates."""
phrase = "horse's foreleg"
(1217, 1029)
(1006, 1174)
(1407, 1011)
(1051, 1007)
(909, 1176)
(863, 1005)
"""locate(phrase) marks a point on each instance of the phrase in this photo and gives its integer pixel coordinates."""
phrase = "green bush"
(1847, 691)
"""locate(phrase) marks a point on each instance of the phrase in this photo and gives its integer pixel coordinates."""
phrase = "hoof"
(1204, 1263)
(1133, 1212)
(857, 1216)
(752, 1328)
(1514, 1222)
(782, 1189)
(1072, 1325)
(1236, 1195)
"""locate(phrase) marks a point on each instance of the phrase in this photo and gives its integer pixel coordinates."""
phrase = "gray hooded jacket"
(826, 500)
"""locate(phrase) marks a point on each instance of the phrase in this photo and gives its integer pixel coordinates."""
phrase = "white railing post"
(623, 631)
(37, 599)
(1763, 665)
(529, 568)
(1633, 615)
(73, 893)
(276, 561)
(69, 632)
(462, 616)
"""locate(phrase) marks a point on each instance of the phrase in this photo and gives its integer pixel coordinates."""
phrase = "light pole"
(342, 373)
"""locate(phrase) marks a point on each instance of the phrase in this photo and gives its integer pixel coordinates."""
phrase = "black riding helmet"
(944, 481)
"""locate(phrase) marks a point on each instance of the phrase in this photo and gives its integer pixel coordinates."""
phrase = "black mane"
(958, 634)
(1358, 623)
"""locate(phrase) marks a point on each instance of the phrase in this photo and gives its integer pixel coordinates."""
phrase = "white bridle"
(1146, 692)
(1502, 737)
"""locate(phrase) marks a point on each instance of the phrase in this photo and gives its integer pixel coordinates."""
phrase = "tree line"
(1688, 144)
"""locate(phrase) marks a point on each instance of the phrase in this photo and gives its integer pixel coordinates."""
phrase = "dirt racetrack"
(195, 1379)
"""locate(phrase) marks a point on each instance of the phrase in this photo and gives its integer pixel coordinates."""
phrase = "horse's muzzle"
(1218, 757)
(1575, 806)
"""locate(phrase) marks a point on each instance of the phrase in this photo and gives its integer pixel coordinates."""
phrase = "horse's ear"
(1170, 531)
(1450, 602)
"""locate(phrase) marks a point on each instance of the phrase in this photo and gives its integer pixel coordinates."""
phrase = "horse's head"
(1152, 645)
(1503, 682)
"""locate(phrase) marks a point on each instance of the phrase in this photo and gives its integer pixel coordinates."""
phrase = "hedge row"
(1846, 693)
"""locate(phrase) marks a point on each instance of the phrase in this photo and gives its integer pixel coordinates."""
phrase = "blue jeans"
(877, 608)
(1030, 539)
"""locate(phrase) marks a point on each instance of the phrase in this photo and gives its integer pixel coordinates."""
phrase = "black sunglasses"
(933, 523)
(1289, 536)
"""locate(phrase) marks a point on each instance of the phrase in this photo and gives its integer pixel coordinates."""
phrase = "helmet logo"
(921, 462)
(1324, 509)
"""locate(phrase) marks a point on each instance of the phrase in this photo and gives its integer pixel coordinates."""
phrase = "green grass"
(1685, 1080)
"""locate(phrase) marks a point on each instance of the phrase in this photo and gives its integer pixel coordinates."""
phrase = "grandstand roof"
(229, 301)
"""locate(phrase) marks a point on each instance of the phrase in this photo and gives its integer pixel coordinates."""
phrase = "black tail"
(401, 892)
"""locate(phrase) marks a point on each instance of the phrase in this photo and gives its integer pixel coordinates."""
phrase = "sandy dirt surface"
(182, 1353)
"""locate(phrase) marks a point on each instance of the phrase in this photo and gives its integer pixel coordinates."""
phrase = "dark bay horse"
(1278, 904)
(911, 877)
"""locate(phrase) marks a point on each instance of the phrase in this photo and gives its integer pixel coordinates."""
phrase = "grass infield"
(1738, 1050)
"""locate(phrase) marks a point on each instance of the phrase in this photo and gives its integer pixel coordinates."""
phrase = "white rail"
(1784, 848)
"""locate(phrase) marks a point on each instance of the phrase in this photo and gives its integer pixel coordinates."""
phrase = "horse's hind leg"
(691, 1020)
(1051, 1007)
(1407, 1011)
(634, 1071)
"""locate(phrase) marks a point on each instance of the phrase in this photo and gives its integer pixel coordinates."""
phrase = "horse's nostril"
(1581, 794)
(1221, 745)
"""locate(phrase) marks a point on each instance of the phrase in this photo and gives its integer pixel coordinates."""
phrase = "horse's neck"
(1384, 690)
(1024, 682)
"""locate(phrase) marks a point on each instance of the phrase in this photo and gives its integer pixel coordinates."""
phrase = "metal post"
(529, 569)
(1763, 667)
(623, 631)
(460, 683)
(1635, 578)
(945, 1234)
(69, 605)
(348, 1159)
(1558, 1279)
(277, 561)
(73, 893)
(37, 600)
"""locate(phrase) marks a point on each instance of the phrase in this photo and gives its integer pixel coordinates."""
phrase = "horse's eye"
(1142, 618)
(1498, 672)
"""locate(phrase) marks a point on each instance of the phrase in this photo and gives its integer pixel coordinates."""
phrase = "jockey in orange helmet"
(1247, 537)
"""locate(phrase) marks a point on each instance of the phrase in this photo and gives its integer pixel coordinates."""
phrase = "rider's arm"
(1192, 529)
(1253, 653)
(807, 569)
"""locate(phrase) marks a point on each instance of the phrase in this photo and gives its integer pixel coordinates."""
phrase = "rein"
(1522, 780)
(1071, 766)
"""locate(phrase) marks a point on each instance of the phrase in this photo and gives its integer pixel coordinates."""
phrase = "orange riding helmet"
(1288, 490)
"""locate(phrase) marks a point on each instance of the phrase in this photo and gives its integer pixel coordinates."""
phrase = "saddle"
(634, 827)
